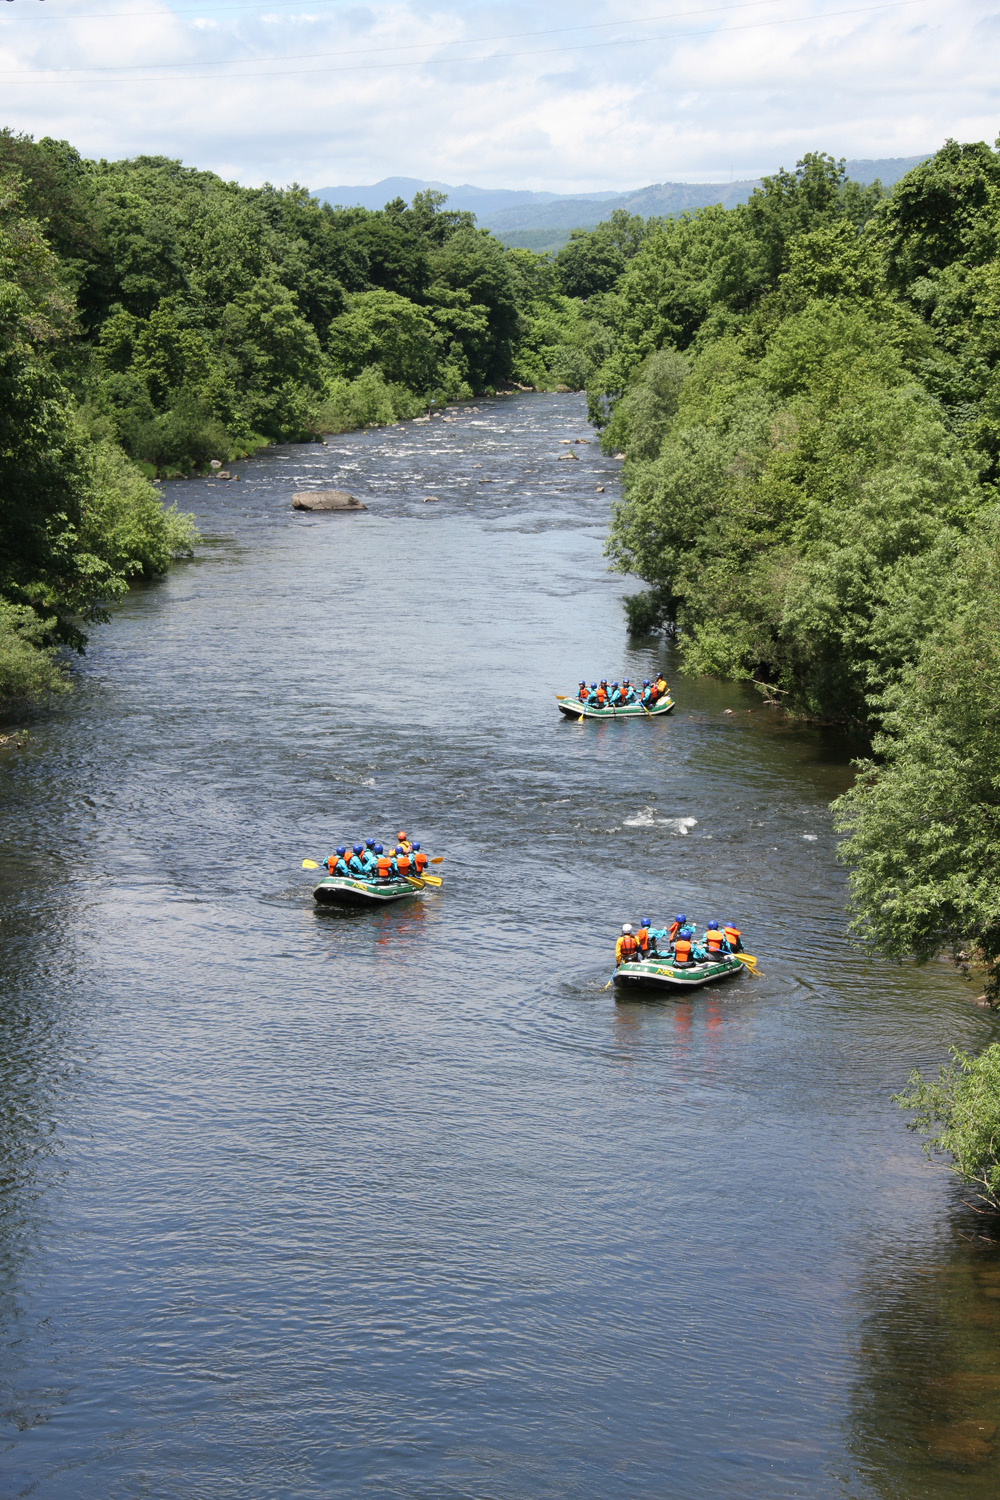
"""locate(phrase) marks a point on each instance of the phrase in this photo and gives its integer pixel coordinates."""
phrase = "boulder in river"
(326, 500)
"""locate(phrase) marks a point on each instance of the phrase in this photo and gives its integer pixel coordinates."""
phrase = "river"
(405, 1203)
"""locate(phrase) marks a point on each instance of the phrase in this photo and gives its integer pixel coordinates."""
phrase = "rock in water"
(326, 500)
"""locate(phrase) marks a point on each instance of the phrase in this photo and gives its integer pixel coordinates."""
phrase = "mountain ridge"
(543, 221)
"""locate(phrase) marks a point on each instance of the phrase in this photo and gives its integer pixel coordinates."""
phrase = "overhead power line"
(140, 72)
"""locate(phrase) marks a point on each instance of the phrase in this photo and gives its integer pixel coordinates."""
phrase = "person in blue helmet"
(715, 942)
(616, 697)
(368, 858)
(592, 699)
(628, 691)
(642, 938)
(581, 692)
(675, 926)
(418, 859)
(647, 695)
(336, 863)
(355, 864)
(698, 951)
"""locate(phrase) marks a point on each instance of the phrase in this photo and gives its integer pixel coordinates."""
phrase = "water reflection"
(925, 1411)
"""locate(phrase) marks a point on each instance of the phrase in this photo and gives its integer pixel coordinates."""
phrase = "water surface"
(405, 1203)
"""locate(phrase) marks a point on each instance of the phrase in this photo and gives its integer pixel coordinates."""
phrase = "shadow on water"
(925, 1411)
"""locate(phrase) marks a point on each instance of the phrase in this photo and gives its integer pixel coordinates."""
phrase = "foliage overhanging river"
(403, 1203)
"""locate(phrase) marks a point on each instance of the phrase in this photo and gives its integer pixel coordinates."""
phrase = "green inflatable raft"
(662, 973)
(341, 890)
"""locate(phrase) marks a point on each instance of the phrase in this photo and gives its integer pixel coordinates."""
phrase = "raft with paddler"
(675, 958)
(368, 875)
(614, 700)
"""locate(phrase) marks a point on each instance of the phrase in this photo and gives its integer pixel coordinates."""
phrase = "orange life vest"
(420, 861)
(383, 865)
(682, 950)
(629, 946)
(602, 696)
(403, 864)
(642, 938)
(713, 940)
(675, 928)
(732, 936)
(583, 694)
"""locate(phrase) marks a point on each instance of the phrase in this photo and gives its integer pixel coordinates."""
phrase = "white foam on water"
(812, 837)
(646, 818)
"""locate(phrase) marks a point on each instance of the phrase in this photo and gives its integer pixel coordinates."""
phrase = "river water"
(405, 1203)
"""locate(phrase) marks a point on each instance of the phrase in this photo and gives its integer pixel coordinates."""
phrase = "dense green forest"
(154, 318)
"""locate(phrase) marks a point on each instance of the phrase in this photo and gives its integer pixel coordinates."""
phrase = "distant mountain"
(477, 200)
(542, 221)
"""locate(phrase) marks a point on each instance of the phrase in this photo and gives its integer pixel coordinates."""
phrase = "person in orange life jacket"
(715, 941)
(383, 864)
(676, 926)
(602, 693)
(628, 691)
(336, 863)
(402, 861)
(419, 859)
(626, 948)
(617, 697)
(687, 937)
(647, 696)
(582, 693)
(733, 937)
(355, 864)
(592, 696)
(647, 943)
(403, 842)
(683, 948)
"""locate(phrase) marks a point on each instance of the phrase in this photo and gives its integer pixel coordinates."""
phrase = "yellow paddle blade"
(746, 958)
(432, 879)
(414, 881)
(437, 860)
(309, 864)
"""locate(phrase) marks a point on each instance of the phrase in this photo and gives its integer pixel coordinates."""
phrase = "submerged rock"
(326, 500)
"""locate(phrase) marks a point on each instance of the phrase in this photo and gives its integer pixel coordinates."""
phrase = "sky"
(562, 95)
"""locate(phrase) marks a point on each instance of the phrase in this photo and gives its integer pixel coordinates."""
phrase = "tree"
(382, 328)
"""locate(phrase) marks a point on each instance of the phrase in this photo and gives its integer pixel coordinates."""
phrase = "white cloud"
(564, 111)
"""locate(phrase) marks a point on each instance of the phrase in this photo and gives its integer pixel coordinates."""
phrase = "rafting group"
(367, 874)
(675, 956)
(615, 700)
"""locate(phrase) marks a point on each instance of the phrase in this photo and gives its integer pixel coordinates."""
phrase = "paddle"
(309, 864)
(746, 958)
(611, 981)
(414, 881)
(645, 709)
(437, 860)
(432, 879)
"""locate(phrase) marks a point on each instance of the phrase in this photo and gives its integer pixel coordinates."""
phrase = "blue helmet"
(614, 684)
(379, 849)
(369, 843)
(644, 922)
(583, 682)
(399, 849)
(687, 932)
(645, 682)
(341, 848)
(711, 925)
(415, 845)
(593, 685)
(359, 848)
(680, 917)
